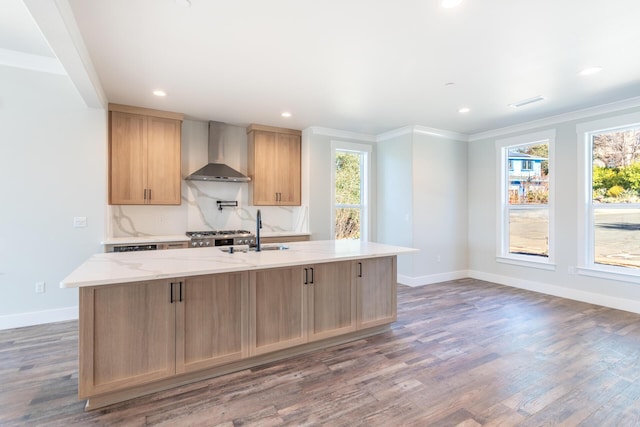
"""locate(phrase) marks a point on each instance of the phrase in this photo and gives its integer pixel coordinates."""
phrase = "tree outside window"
(615, 197)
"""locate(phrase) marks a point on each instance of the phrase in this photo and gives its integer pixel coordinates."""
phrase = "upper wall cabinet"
(144, 156)
(274, 165)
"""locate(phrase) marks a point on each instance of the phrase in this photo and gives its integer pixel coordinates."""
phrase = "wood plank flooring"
(462, 353)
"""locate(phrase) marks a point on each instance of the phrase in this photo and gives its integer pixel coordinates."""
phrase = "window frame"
(586, 264)
(502, 218)
(365, 189)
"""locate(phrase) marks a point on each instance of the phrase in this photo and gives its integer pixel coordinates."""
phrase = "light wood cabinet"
(144, 156)
(332, 300)
(136, 338)
(127, 336)
(274, 156)
(292, 306)
(284, 239)
(377, 291)
(137, 333)
(212, 321)
(278, 309)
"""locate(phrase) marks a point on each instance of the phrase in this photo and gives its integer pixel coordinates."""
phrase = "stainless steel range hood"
(216, 169)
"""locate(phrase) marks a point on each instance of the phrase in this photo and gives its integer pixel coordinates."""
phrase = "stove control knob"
(207, 243)
(194, 243)
(201, 243)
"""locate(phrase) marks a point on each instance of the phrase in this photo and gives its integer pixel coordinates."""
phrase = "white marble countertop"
(132, 240)
(124, 267)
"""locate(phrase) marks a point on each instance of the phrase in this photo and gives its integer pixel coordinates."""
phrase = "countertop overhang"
(126, 267)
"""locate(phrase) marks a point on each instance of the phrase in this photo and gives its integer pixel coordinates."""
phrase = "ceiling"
(354, 65)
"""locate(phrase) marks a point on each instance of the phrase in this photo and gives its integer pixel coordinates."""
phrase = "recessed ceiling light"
(590, 70)
(526, 101)
(464, 110)
(448, 4)
(286, 114)
(159, 93)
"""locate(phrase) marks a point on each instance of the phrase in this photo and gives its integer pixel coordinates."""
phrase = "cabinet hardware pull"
(359, 269)
(171, 293)
(145, 194)
(149, 194)
(313, 278)
(306, 277)
(180, 291)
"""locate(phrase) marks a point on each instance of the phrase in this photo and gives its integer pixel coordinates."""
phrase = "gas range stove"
(220, 238)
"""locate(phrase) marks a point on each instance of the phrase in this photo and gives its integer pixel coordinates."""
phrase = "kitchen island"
(159, 319)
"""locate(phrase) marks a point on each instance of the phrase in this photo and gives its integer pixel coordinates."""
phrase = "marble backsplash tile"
(199, 211)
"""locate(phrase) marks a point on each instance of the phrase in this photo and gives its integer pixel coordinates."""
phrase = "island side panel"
(377, 291)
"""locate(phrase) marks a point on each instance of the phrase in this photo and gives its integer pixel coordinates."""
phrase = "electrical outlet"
(40, 287)
(79, 221)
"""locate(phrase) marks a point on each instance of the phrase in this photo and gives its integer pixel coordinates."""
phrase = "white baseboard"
(432, 278)
(559, 291)
(11, 321)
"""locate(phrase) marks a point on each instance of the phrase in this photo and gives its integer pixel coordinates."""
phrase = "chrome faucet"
(258, 227)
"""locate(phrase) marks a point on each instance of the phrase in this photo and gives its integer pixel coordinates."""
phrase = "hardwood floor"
(462, 353)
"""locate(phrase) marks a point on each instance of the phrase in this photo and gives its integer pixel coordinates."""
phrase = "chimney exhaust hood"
(216, 169)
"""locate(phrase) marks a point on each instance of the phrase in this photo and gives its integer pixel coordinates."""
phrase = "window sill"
(542, 265)
(606, 274)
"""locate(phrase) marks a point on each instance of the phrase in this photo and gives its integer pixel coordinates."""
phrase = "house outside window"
(350, 207)
(525, 202)
(610, 202)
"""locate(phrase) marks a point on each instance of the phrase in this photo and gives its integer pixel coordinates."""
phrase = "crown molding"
(28, 61)
(560, 118)
(424, 130)
(336, 133)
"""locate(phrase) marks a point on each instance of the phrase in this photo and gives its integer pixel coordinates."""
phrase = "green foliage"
(348, 192)
(605, 177)
(615, 191)
(630, 176)
(347, 178)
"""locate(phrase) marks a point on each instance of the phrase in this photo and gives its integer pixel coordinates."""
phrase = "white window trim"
(502, 220)
(586, 265)
(365, 214)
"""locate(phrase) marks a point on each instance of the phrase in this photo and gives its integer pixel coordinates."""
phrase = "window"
(610, 208)
(525, 202)
(350, 216)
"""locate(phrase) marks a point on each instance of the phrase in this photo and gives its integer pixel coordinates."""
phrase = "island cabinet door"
(278, 309)
(127, 336)
(377, 293)
(212, 321)
(332, 299)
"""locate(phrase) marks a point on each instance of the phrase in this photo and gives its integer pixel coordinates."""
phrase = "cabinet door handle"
(312, 276)
(171, 293)
(149, 194)
(145, 194)
(359, 269)
(306, 276)
(180, 291)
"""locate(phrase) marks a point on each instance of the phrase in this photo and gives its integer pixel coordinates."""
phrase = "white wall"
(395, 196)
(482, 208)
(422, 203)
(52, 168)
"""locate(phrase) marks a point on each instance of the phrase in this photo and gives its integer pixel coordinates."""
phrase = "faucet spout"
(258, 227)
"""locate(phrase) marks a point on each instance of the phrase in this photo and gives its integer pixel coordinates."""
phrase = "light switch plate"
(79, 221)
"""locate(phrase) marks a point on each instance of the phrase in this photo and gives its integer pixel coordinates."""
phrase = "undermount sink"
(253, 248)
